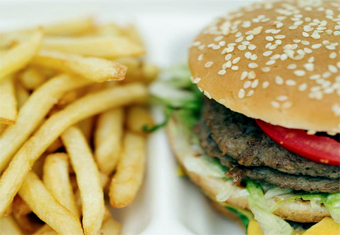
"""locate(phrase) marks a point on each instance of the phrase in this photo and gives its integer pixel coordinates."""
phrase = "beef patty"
(236, 139)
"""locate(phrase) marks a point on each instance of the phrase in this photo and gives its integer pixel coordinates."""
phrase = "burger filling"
(242, 146)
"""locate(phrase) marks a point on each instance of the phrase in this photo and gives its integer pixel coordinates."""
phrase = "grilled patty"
(239, 143)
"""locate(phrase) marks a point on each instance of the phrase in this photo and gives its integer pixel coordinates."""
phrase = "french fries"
(47, 208)
(8, 226)
(110, 227)
(107, 139)
(64, 100)
(138, 118)
(41, 102)
(31, 78)
(8, 102)
(19, 56)
(105, 47)
(87, 106)
(74, 27)
(57, 181)
(91, 68)
(130, 171)
(88, 179)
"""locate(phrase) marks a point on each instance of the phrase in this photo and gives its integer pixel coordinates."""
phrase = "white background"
(167, 204)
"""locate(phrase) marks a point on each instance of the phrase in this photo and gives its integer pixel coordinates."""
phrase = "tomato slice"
(319, 149)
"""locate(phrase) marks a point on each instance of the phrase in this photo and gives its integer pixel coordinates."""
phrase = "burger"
(257, 125)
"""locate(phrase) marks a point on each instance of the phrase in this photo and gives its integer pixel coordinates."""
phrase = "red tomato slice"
(319, 149)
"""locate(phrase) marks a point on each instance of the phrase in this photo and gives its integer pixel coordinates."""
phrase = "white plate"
(167, 204)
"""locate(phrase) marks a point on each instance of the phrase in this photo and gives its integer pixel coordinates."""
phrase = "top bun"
(277, 61)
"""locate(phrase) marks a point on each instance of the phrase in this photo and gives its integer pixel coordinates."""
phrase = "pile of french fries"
(73, 105)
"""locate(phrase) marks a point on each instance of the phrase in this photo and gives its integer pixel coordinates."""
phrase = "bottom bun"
(298, 211)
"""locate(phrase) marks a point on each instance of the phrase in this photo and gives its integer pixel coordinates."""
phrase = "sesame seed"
(270, 62)
(228, 64)
(316, 36)
(196, 80)
(208, 64)
(316, 46)
(291, 66)
(314, 76)
(236, 60)
(244, 75)
(309, 66)
(207, 94)
(218, 38)
(247, 84)
(255, 83)
(265, 84)
(278, 80)
(239, 39)
(286, 105)
(311, 59)
(251, 75)
(332, 55)
(228, 57)
(283, 57)
(253, 57)
(250, 37)
(282, 98)
(290, 83)
(330, 47)
(234, 67)
(275, 104)
(229, 49)
(241, 93)
(280, 36)
(267, 53)
(250, 93)
(302, 87)
(306, 35)
(252, 65)
(200, 57)
(222, 72)
(247, 54)
(251, 47)
(200, 89)
(332, 68)
(299, 73)
(242, 47)
(269, 38)
(265, 69)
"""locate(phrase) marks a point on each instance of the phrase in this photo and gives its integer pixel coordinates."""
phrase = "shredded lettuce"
(332, 203)
(274, 192)
(227, 190)
(270, 223)
(203, 166)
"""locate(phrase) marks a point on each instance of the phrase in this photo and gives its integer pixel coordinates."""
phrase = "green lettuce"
(270, 223)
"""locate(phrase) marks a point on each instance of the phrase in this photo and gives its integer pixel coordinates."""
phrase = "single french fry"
(110, 227)
(21, 94)
(87, 106)
(86, 126)
(130, 171)
(57, 181)
(19, 56)
(108, 30)
(8, 226)
(70, 28)
(94, 69)
(138, 117)
(108, 139)
(8, 102)
(88, 179)
(47, 208)
(31, 78)
(105, 47)
(41, 101)
(45, 230)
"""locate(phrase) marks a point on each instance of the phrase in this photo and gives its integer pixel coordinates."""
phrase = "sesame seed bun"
(277, 61)
(298, 211)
